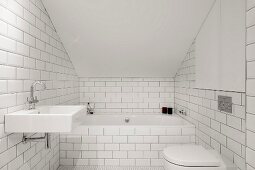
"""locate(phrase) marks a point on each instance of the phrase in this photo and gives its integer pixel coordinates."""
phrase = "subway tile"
(96, 162)
(234, 122)
(7, 156)
(120, 154)
(8, 100)
(73, 154)
(250, 155)
(15, 60)
(250, 4)
(104, 139)
(81, 147)
(3, 144)
(15, 86)
(127, 147)
(127, 131)
(3, 86)
(250, 51)
(7, 72)
(89, 154)
(135, 139)
(142, 162)
(142, 147)
(29, 154)
(234, 146)
(22, 49)
(15, 33)
(16, 163)
(7, 44)
(158, 131)
(95, 131)
(96, 147)
(250, 104)
(233, 134)
(150, 139)
(250, 70)
(111, 131)
(250, 139)
(104, 154)
(250, 122)
(135, 154)
(119, 139)
(73, 139)
(127, 162)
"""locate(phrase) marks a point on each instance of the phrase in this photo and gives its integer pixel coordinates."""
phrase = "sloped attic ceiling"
(129, 38)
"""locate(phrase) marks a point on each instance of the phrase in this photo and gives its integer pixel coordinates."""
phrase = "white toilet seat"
(193, 157)
(190, 155)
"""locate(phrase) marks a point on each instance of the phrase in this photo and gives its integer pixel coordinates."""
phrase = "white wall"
(127, 95)
(127, 38)
(250, 85)
(30, 50)
(220, 48)
(214, 129)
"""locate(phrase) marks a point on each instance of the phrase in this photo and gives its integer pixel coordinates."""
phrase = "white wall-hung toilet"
(194, 157)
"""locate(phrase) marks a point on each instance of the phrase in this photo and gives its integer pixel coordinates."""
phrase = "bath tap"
(33, 99)
(90, 110)
(183, 112)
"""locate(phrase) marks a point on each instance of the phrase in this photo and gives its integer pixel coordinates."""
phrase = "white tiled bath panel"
(30, 50)
(127, 95)
(250, 86)
(222, 131)
(121, 145)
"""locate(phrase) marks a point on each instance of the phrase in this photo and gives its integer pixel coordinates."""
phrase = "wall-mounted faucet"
(33, 99)
(183, 112)
(90, 110)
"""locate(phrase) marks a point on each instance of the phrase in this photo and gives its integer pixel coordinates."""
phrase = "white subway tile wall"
(127, 95)
(121, 145)
(250, 86)
(30, 49)
(222, 131)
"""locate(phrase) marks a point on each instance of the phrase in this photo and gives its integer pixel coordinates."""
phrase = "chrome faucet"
(33, 99)
(90, 110)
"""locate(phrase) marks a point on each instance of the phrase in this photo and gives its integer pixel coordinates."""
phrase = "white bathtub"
(134, 120)
(108, 140)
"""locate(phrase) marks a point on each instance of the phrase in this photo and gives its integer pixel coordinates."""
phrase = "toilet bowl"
(194, 157)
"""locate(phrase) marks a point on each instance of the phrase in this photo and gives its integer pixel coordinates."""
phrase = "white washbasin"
(45, 119)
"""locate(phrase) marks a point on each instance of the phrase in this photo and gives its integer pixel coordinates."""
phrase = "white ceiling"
(129, 38)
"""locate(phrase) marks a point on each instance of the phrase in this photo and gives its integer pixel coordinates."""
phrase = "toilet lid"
(190, 155)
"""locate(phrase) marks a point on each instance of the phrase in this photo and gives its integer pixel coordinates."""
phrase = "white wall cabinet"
(220, 48)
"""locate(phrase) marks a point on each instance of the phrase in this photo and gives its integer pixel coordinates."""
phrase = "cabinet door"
(207, 51)
(232, 73)
(220, 48)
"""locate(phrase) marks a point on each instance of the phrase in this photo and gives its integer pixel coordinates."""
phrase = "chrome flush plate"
(225, 104)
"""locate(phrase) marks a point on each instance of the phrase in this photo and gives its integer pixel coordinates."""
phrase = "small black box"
(169, 110)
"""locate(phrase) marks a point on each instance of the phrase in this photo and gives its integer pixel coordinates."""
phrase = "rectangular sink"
(52, 119)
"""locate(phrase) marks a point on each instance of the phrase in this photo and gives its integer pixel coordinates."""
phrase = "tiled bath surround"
(30, 50)
(222, 131)
(121, 145)
(250, 86)
(127, 95)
